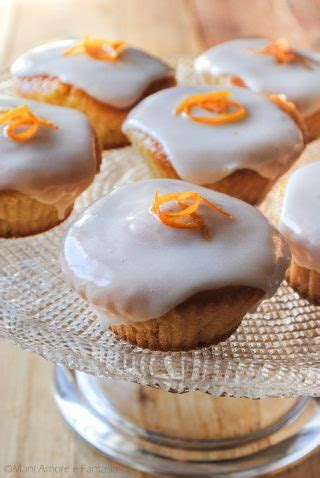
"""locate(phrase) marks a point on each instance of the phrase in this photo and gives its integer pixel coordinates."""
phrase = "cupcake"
(48, 156)
(295, 210)
(267, 67)
(102, 79)
(168, 265)
(231, 140)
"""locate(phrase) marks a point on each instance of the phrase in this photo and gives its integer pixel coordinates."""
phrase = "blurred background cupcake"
(101, 78)
(268, 66)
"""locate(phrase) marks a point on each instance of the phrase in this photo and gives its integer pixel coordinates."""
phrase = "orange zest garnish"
(283, 53)
(237, 81)
(186, 217)
(291, 109)
(219, 102)
(98, 48)
(22, 123)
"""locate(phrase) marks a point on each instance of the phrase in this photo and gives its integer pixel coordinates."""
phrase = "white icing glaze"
(261, 73)
(267, 140)
(299, 221)
(120, 83)
(123, 260)
(55, 166)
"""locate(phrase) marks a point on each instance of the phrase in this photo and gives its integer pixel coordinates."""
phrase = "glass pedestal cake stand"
(130, 403)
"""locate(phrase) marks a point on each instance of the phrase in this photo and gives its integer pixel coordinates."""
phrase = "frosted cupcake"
(48, 156)
(231, 140)
(267, 67)
(102, 79)
(168, 265)
(296, 208)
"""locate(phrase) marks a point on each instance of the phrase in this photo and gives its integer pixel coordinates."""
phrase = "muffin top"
(296, 75)
(129, 254)
(46, 152)
(299, 220)
(120, 82)
(265, 139)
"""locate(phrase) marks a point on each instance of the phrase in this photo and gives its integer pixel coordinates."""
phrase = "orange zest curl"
(23, 124)
(283, 53)
(219, 102)
(186, 217)
(98, 48)
(237, 81)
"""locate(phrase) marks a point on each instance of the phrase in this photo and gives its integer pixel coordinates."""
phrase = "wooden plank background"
(31, 431)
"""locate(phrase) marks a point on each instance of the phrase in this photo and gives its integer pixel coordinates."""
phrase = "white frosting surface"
(267, 140)
(299, 221)
(55, 166)
(121, 258)
(261, 72)
(120, 83)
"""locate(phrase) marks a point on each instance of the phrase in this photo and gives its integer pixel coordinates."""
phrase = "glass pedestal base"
(192, 434)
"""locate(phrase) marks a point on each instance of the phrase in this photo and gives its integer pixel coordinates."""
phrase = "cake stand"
(161, 412)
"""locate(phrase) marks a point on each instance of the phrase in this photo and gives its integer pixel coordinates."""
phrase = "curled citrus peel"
(23, 124)
(98, 48)
(186, 217)
(291, 109)
(219, 102)
(237, 81)
(283, 53)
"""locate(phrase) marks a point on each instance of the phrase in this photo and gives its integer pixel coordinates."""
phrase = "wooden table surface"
(31, 431)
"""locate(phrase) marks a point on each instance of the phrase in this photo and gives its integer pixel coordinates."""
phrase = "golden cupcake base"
(106, 120)
(305, 281)
(21, 215)
(313, 125)
(244, 184)
(203, 320)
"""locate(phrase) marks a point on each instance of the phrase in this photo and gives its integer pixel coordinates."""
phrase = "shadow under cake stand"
(166, 413)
